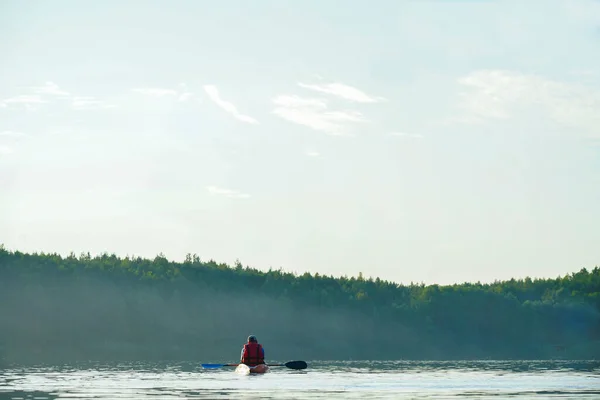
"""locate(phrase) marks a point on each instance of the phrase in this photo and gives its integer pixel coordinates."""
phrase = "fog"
(50, 317)
(97, 319)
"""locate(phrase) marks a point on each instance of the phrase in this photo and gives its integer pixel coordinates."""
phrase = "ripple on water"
(323, 379)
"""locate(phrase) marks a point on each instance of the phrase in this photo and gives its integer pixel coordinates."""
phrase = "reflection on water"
(323, 379)
(22, 394)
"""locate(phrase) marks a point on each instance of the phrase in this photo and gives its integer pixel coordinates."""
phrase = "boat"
(259, 369)
(243, 369)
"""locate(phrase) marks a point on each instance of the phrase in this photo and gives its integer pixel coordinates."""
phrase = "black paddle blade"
(296, 364)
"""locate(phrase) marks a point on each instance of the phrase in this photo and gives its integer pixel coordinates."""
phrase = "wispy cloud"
(5, 150)
(24, 100)
(499, 94)
(213, 94)
(343, 91)
(217, 191)
(12, 134)
(185, 96)
(52, 89)
(155, 92)
(37, 96)
(11, 137)
(406, 134)
(585, 73)
(89, 103)
(181, 95)
(313, 154)
(314, 114)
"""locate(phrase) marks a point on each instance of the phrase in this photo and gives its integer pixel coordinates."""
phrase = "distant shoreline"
(111, 308)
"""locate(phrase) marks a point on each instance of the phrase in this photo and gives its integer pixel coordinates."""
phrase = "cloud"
(5, 149)
(185, 96)
(499, 94)
(343, 91)
(36, 96)
(313, 154)
(584, 73)
(26, 100)
(52, 89)
(405, 134)
(314, 114)
(182, 95)
(214, 190)
(11, 134)
(213, 94)
(89, 103)
(155, 92)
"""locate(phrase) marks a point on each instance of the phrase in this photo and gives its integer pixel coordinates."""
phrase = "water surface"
(322, 380)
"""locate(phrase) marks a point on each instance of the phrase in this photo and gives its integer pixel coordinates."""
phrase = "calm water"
(323, 380)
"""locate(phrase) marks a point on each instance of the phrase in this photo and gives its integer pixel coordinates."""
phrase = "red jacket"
(253, 354)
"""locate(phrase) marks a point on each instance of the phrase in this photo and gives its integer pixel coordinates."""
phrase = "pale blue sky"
(434, 141)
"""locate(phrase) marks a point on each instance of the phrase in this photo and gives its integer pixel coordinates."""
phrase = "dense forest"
(55, 308)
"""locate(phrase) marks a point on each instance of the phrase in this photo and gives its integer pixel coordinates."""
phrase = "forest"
(61, 309)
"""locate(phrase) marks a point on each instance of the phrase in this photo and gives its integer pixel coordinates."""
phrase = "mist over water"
(63, 321)
(322, 380)
(54, 317)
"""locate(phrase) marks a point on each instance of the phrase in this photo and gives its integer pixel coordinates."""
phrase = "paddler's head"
(252, 338)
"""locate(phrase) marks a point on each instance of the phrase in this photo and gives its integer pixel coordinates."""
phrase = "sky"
(415, 141)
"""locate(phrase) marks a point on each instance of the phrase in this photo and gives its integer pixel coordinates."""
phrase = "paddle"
(212, 366)
(292, 365)
(289, 364)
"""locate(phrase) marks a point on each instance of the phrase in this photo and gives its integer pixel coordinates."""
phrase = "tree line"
(84, 307)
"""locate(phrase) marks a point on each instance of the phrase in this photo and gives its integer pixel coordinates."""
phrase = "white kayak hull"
(243, 369)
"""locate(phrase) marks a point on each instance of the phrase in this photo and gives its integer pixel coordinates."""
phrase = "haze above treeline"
(62, 309)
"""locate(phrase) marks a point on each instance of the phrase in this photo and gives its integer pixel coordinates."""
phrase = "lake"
(322, 380)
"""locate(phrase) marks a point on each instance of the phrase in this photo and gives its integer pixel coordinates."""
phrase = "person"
(253, 353)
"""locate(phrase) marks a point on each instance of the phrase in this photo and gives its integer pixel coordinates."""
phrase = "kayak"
(243, 369)
(259, 369)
